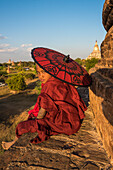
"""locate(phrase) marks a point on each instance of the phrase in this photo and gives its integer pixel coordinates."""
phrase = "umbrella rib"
(65, 75)
(61, 69)
(81, 69)
(71, 78)
(46, 64)
(42, 60)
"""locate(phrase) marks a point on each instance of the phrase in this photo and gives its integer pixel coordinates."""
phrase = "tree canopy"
(88, 64)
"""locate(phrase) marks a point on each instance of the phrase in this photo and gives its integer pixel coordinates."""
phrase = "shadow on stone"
(24, 140)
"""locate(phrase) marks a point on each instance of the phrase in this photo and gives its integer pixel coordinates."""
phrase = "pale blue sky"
(68, 26)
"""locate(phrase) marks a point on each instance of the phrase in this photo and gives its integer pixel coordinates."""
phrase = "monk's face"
(42, 75)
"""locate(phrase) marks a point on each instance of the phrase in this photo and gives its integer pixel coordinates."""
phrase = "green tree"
(30, 76)
(90, 63)
(79, 61)
(20, 68)
(38, 87)
(16, 82)
(1, 67)
(35, 69)
(3, 73)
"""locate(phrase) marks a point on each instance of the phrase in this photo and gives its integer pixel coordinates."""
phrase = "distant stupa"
(96, 52)
(9, 62)
(19, 64)
(13, 63)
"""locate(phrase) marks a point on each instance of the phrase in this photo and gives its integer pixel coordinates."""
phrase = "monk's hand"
(33, 118)
(41, 113)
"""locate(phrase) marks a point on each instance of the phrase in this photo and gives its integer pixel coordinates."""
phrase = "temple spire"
(96, 52)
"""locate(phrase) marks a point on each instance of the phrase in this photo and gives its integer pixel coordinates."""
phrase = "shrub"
(35, 69)
(91, 63)
(38, 87)
(79, 61)
(3, 73)
(2, 79)
(1, 67)
(20, 68)
(16, 82)
(30, 76)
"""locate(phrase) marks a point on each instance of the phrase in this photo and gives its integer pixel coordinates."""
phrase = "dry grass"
(14, 109)
(7, 132)
(4, 91)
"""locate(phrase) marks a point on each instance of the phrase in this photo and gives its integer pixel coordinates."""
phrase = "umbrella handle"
(66, 59)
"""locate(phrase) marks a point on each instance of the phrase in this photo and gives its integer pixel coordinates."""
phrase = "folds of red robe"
(35, 110)
(64, 109)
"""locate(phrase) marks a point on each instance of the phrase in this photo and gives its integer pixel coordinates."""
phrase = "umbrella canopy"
(61, 66)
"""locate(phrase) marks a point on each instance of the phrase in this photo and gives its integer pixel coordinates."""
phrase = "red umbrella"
(61, 66)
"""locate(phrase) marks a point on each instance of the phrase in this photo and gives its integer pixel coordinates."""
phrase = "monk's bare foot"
(7, 145)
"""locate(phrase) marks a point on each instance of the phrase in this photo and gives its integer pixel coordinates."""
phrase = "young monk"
(39, 114)
(59, 110)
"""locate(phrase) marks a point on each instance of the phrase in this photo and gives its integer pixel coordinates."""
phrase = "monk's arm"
(41, 113)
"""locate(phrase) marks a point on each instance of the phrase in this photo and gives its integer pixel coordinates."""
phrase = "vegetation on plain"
(38, 87)
(16, 82)
(87, 64)
(20, 72)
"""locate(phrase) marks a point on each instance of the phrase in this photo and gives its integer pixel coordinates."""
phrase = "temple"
(96, 52)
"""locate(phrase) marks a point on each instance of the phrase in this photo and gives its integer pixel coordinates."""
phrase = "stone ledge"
(83, 150)
(102, 84)
(107, 73)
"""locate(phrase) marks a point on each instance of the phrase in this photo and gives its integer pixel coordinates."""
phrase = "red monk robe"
(64, 109)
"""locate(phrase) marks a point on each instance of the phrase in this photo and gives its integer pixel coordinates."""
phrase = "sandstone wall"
(107, 44)
(107, 50)
(101, 90)
(101, 101)
(107, 14)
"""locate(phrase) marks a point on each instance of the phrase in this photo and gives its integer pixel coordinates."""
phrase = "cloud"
(8, 50)
(26, 45)
(29, 49)
(4, 45)
(2, 37)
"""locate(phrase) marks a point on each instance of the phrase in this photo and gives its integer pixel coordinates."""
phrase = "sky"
(68, 26)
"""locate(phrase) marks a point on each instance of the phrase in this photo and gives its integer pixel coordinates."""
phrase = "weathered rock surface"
(107, 50)
(107, 44)
(101, 102)
(83, 150)
(101, 91)
(107, 15)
